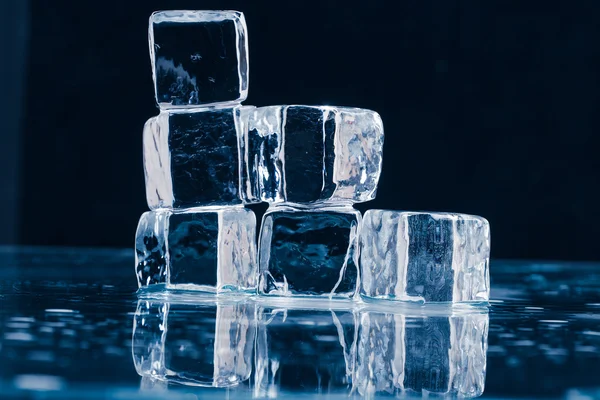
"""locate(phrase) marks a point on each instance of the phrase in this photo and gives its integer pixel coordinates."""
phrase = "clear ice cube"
(198, 57)
(192, 158)
(210, 250)
(207, 343)
(311, 154)
(309, 349)
(424, 257)
(401, 354)
(309, 252)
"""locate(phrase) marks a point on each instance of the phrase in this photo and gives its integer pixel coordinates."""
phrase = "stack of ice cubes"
(198, 235)
(206, 155)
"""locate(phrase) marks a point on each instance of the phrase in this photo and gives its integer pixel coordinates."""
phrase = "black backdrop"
(490, 108)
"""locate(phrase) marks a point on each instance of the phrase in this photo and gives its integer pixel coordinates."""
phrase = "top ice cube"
(198, 57)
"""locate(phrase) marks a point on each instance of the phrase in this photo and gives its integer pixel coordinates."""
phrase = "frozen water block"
(314, 350)
(211, 250)
(198, 57)
(193, 158)
(207, 343)
(309, 252)
(404, 354)
(424, 257)
(311, 154)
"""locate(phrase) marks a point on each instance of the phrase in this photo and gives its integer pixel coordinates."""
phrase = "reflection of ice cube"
(442, 354)
(380, 351)
(201, 344)
(150, 384)
(308, 350)
(211, 250)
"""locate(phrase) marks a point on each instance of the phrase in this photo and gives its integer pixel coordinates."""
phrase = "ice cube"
(312, 154)
(440, 354)
(192, 158)
(309, 252)
(207, 343)
(204, 249)
(198, 57)
(424, 257)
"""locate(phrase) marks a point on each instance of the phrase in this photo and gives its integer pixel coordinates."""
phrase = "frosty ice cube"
(309, 349)
(198, 57)
(211, 250)
(406, 353)
(192, 158)
(424, 257)
(312, 154)
(309, 252)
(207, 343)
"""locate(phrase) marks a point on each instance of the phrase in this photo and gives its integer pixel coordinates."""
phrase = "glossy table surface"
(73, 326)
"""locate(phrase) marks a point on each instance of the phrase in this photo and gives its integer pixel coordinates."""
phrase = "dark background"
(490, 108)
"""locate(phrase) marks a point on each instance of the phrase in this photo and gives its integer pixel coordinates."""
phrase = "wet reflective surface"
(71, 326)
